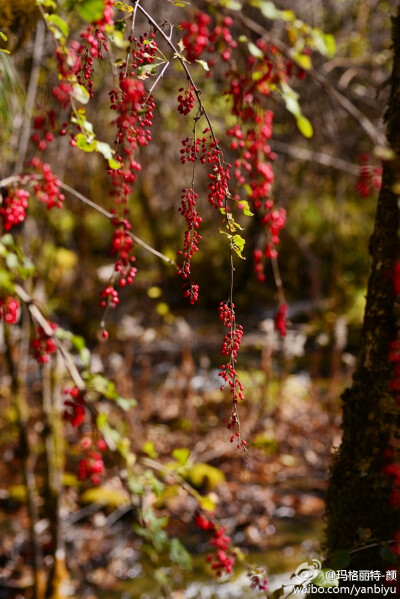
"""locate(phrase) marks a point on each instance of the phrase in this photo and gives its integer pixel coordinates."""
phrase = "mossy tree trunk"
(358, 498)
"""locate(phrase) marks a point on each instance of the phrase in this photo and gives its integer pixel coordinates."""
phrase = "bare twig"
(25, 178)
(40, 319)
(319, 157)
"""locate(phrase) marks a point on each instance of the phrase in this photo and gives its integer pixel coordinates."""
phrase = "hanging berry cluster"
(224, 557)
(13, 208)
(9, 310)
(74, 411)
(92, 465)
(94, 41)
(192, 237)
(47, 186)
(44, 345)
(227, 371)
(200, 37)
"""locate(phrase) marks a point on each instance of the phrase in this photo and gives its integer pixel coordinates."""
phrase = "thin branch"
(40, 319)
(376, 136)
(24, 178)
(111, 216)
(159, 77)
(319, 157)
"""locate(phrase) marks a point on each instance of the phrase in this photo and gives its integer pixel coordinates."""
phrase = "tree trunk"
(359, 511)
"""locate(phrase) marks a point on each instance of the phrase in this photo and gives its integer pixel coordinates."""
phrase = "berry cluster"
(258, 579)
(199, 37)
(194, 150)
(74, 407)
(69, 65)
(227, 372)
(191, 292)
(43, 126)
(232, 340)
(220, 175)
(236, 439)
(47, 188)
(280, 319)
(13, 209)
(109, 297)
(248, 84)
(92, 465)
(9, 310)
(369, 177)
(186, 100)
(224, 557)
(44, 345)
(134, 118)
(121, 246)
(190, 245)
(95, 42)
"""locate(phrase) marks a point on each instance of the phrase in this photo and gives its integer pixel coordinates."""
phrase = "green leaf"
(201, 474)
(330, 44)
(105, 496)
(207, 503)
(149, 449)
(83, 143)
(3, 36)
(304, 125)
(231, 4)
(123, 7)
(179, 555)
(244, 205)
(117, 37)
(238, 245)
(114, 164)
(204, 64)
(181, 3)
(78, 342)
(103, 386)
(59, 23)
(111, 436)
(181, 455)
(303, 60)
(7, 239)
(91, 10)
(12, 260)
(326, 578)
(126, 403)
(80, 93)
(255, 51)
(47, 3)
(268, 9)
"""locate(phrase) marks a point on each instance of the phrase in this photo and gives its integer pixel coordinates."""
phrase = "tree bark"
(358, 508)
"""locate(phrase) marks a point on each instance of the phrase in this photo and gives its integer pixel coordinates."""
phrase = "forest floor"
(271, 499)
